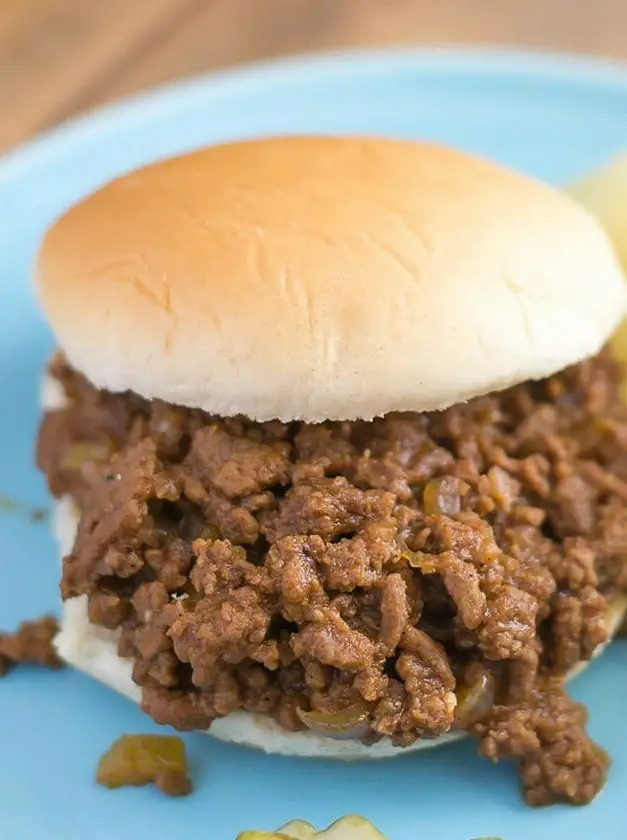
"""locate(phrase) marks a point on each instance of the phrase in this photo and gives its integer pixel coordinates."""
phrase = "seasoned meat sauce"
(423, 572)
(31, 644)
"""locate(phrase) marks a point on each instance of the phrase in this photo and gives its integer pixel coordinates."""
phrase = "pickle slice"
(298, 830)
(351, 827)
(142, 759)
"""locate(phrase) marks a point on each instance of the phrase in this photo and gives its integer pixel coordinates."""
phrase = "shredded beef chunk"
(420, 572)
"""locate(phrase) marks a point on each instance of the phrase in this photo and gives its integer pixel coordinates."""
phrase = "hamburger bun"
(323, 278)
(93, 650)
(313, 279)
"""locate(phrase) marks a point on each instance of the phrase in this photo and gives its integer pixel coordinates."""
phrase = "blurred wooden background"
(60, 57)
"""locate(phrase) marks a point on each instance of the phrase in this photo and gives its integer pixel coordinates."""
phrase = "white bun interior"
(326, 278)
(51, 394)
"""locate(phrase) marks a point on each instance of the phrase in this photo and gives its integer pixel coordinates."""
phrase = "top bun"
(326, 278)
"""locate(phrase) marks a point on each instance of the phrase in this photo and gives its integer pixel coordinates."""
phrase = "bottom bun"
(93, 650)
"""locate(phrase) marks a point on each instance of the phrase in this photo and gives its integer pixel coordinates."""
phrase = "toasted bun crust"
(93, 650)
(326, 278)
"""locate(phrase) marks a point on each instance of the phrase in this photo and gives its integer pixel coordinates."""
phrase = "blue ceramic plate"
(552, 117)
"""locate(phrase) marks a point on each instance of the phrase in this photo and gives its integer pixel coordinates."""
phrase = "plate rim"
(526, 64)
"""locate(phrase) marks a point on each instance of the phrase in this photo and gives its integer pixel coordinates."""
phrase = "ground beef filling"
(402, 577)
(31, 644)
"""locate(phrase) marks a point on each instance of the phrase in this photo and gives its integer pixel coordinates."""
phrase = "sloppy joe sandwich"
(339, 451)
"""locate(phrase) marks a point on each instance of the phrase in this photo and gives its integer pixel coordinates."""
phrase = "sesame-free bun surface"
(315, 278)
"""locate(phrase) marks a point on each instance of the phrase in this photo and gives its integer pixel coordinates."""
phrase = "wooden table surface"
(60, 57)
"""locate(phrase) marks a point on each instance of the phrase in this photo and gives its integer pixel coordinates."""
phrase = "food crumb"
(143, 759)
(35, 515)
(31, 644)
(173, 784)
(8, 505)
(5, 665)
